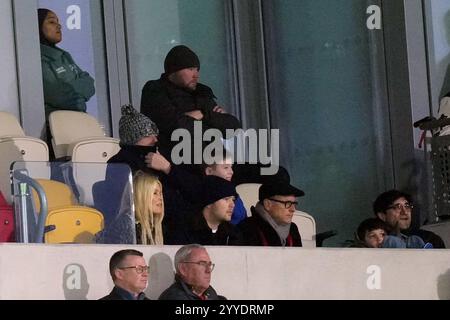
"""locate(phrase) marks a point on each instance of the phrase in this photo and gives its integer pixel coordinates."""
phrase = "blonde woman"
(149, 208)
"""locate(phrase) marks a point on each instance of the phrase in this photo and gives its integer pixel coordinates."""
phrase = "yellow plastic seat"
(73, 224)
(66, 221)
(58, 194)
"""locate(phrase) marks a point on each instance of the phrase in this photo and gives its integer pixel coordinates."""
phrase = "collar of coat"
(51, 53)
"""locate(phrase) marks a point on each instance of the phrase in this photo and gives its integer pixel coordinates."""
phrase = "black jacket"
(179, 290)
(196, 230)
(166, 104)
(134, 156)
(177, 207)
(255, 231)
(121, 294)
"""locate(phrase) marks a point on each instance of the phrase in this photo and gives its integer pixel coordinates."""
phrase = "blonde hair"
(144, 186)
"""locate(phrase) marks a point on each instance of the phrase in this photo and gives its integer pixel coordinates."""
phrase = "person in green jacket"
(66, 86)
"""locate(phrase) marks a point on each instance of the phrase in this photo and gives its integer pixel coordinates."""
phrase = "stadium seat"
(16, 146)
(66, 221)
(78, 135)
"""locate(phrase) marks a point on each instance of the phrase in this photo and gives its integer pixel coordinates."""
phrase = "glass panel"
(437, 15)
(154, 27)
(90, 192)
(83, 38)
(322, 99)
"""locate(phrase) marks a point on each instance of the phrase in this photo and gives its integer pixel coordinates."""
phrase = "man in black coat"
(193, 269)
(130, 275)
(395, 208)
(177, 100)
(271, 221)
(210, 224)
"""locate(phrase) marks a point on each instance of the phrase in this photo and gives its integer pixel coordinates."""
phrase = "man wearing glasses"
(271, 221)
(129, 272)
(193, 268)
(395, 207)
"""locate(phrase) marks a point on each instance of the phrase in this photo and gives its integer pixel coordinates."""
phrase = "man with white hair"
(193, 269)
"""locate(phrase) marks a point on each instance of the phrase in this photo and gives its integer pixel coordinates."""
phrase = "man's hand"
(196, 114)
(157, 162)
(218, 109)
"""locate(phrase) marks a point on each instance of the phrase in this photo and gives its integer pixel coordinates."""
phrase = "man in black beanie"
(177, 99)
(210, 225)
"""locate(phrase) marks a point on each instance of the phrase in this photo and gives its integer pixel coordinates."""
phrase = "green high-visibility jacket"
(66, 86)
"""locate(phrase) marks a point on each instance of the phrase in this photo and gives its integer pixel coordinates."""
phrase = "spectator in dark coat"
(395, 208)
(139, 137)
(193, 269)
(190, 183)
(210, 225)
(271, 221)
(130, 275)
(177, 99)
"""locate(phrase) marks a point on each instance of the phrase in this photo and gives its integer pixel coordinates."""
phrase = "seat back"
(15, 146)
(307, 227)
(73, 224)
(9, 126)
(68, 127)
(248, 192)
(58, 194)
(99, 149)
(66, 221)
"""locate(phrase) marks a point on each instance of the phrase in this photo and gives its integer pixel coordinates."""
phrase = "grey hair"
(184, 253)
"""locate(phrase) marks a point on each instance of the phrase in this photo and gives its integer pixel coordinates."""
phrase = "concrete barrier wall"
(81, 272)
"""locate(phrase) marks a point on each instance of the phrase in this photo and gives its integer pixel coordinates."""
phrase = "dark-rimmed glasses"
(287, 204)
(399, 206)
(139, 269)
(205, 264)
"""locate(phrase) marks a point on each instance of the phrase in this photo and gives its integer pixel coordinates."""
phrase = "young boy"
(223, 168)
(371, 233)
(189, 183)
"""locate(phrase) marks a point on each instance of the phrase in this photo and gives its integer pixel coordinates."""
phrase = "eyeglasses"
(139, 269)
(287, 204)
(205, 264)
(399, 206)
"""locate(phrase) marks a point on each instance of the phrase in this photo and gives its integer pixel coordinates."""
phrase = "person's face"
(223, 170)
(278, 211)
(129, 278)
(398, 216)
(374, 238)
(223, 208)
(51, 28)
(148, 141)
(198, 276)
(157, 202)
(186, 78)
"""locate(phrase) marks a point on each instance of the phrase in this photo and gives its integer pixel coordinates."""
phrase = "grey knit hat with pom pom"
(133, 126)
